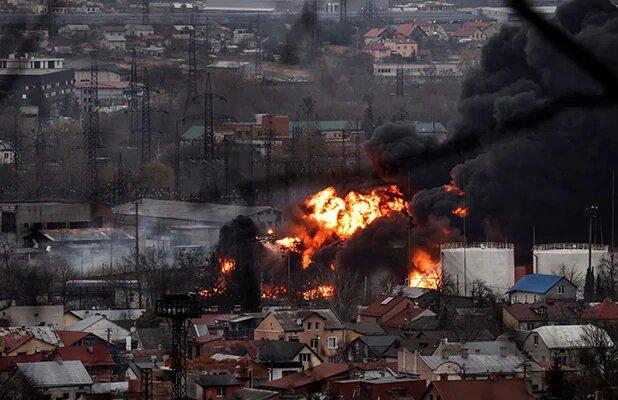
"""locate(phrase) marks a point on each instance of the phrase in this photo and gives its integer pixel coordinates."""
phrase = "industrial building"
(552, 258)
(491, 262)
(421, 72)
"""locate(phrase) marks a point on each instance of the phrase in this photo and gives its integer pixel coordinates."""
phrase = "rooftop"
(567, 336)
(503, 389)
(535, 283)
(54, 374)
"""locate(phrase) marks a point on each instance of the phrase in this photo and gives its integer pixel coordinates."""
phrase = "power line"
(92, 130)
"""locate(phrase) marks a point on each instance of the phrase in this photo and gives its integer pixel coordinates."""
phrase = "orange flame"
(461, 212)
(219, 288)
(227, 265)
(323, 291)
(451, 187)
(273, 292)
(338, 218)
(427, 272)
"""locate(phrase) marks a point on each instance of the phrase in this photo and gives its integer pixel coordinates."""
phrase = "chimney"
(464, 352)
(503, 351)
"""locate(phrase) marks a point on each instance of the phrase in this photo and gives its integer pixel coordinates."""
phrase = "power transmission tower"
(209, 128)
(145, 11)
(257, 72)
(270, 142)
(343, 10)
(17, 150)
(92, 128)
(40, 150)
(315, 34)
(192, 96)
(357, 149)
(370, 12)
(179, 309)
(146, 144)
(146, 384)
(133, 91)
(399, 83)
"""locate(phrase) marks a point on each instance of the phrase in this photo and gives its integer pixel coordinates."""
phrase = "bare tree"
(599, 356)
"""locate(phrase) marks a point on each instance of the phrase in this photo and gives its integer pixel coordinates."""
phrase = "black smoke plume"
(522, 167)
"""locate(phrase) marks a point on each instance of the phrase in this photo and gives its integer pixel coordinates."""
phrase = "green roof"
(194, 133)
(325, 125)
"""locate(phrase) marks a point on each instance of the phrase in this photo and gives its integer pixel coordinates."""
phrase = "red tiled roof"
(96, 356)
(237, 347)
(556, 311)
(465, 31)
(69, 338)
(403, 317)
(503, 389)
(376, 47)
(407, 29)
(206, 339)
(374, 33)
(13, 340)
(377, 309)
(607, 310)
(8, 363)
(207, 319)
(477, 24)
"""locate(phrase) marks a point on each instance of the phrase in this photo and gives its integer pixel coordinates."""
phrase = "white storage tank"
(550, 258)
(492, 262)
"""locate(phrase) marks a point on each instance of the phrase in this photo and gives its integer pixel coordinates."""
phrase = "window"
(221, 391)
(536, 340)
(308, 325)
(315, 342)
(561, 289)
(317, 326)
(332, 342)
(304, 357)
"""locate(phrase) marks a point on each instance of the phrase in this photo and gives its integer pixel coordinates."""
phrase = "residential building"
(212, 386)
(392, 312)
(405, 48)
(522, 316)
(254, 394)
(364, 328)
(110, 93)
(115, 42)
(154, 338)
(469, 33)
(285, 358)
(387, 388)
(541, 287)
(139, 30)
(96, 359)
(74, 30)
(378, 51)
(42, 82)
(373, 348)
(562, 343)
(26, 340)
(411, 30)
(320, 329)
(101, 327)
(604, 314)
(114, 315)
(238, 326)
(243, 68)
(57, 379)
(496, 348)
(7, 153)
(33, 315)
(79, 339)
(503, 389)
(375, 35)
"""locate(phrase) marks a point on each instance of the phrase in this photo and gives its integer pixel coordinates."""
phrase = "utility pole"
(465, 238)
(257, 72)
(92, 129)
(343, 10)
(177, 163)
(146, 144)
(399, 83)
(136, 234)
(133, 92)
(146, 383)
(17, 151)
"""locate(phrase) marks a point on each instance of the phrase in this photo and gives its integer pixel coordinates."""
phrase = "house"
(473, 366)
(285, 358)
(7, 154)
(8, 364)
(364, 328)
(469, 33)
(503, 389)
(212, 386)
(320, 329)
(115, 42)
(79, 339)
(243, 348)
(561, 343)
(237, 326)
(375, 35)
(247, 371)
(392, 312)
(487, 347)
(373, 348)
(378, 51)
(154, 338)
(385, 388)
(254, 394)
(138, 30)
(541, 287)
(57, 379)
(318, 379)
(405, 48)
(522, 316)
(198, 345)
(411, 30)
(48, 315)
(605, 312)
(27, 340)
(101, 327)
(115, 315)
(96, 359)
(74, 30)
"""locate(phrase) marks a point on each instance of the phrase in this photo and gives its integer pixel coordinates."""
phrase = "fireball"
(323, 291)
(426, 273)
(461, 212)
(227, 265)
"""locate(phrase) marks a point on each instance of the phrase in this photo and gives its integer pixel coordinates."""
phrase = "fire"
(323, 291)
(451, 187)
(427, 272)
(227, 265)
(219, 288)
(461, 212)
(273, 292)
(270, 232)
(338, 218)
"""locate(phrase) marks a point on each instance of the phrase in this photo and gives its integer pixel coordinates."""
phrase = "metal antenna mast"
(92, 129)
(258, 50)
(146, 145)
(179, 309)
(399, 83)
(343, 10)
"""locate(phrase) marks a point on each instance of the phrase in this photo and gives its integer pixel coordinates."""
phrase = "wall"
(32, 346)
(72, 392)
(548, 259)
(35, 315)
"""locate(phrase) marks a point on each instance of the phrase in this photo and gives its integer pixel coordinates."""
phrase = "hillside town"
(308, 200)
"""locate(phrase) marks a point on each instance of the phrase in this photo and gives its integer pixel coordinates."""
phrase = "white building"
(421, 72)
(7, 154)
(552, 258)
(114, 41)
